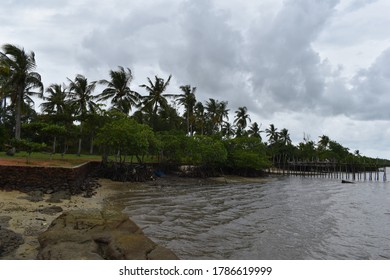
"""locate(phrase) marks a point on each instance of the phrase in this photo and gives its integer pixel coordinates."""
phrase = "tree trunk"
(79, 149)
(80, 139)
(4, 106)
(188, 122)
(54, 145)
(18, 115)
(91, 147)
(64, 151)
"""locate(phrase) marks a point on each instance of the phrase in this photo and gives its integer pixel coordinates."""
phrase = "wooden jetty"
(342, 171)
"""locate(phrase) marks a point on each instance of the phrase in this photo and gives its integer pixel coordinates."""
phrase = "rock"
(9, 241)
(4, 220)
(51, 210)
(92, 234)
(57, 197)
(161, 253)
(34, 196)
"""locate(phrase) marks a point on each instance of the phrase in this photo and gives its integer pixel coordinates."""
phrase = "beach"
(30, 215)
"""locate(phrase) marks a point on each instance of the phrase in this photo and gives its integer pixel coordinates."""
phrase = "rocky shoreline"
(98, 235)
(39, 225)
(49, 226)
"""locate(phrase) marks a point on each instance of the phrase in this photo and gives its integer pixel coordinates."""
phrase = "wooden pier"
(342, 171)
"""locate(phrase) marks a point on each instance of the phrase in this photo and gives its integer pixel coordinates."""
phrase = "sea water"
(285, 217)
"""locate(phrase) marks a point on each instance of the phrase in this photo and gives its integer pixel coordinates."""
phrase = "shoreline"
(29, 218)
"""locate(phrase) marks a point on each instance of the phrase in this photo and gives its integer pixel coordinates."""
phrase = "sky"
(314, 67)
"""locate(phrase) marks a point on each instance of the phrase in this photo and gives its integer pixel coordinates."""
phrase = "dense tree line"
(159, 126)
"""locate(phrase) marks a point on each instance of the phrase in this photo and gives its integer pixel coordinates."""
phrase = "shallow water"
(283, 218)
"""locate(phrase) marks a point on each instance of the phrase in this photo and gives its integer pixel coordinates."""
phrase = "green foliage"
(72, 114)
(247, 153)
(53, 130)
(178, 148)
(174, 146)
(208, 151)
(28, 146)
(127, 137)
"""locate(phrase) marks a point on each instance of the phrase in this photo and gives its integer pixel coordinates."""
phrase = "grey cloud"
(209, 54)
(358, 4)
(268, 67)
(361, 21)
(371, 89)
(286, 71)
(364, 97)
(137, 37)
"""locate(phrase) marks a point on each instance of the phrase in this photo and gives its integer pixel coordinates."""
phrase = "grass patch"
(45, 159)
(68, 160)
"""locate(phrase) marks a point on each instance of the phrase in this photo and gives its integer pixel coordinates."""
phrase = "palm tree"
(22, 79)
(323, 143)
(82, 101)
(4, 88)
(217, 111)
(228, 130)
(223, 112)
(57, 107)
(188, 100)
(284, 137)
(200, 117)
(212, 111)
(56, 101)
(117, 89)
(242, 117)
(4, 77)
(156, 97)
(254, 131)
(272, 134)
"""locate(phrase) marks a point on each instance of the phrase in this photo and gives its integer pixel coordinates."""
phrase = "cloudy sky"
(312, 66)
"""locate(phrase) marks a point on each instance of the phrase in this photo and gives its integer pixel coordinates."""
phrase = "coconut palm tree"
(272, 134)
(254, 131)
(242, 117)
(81, 96)
(284, 137)
(4, 88)
(228, 130)
(117, 89)
(22, 80)
(82, 101)
(323, 143)
(58, 108)
(4, 77)
(223, 112)
(188, 100)
(56, 101)
(199, 117)
(156, 97)
(216, 112)
(212, 111)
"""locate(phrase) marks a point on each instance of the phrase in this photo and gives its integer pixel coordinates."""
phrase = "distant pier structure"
(342, 171)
